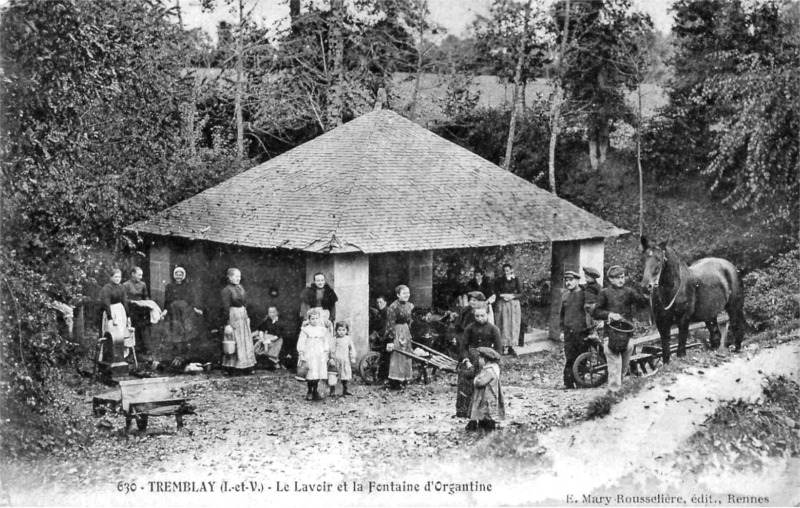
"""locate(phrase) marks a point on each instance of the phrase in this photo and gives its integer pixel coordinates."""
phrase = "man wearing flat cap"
(615, 303)
(591, 289)
(573, 323)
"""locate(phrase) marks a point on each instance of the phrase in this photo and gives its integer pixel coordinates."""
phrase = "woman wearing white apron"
(115, 307)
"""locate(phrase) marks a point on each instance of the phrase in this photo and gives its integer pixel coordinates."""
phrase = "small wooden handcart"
(139, 399)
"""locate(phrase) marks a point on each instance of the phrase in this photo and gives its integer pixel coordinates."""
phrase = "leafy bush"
(773, 295)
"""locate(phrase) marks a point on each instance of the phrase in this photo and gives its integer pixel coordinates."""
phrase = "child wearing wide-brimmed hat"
(487, 400)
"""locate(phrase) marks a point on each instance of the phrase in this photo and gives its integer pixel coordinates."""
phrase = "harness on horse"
(655, 286)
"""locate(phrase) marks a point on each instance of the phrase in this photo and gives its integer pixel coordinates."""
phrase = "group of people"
(504, 295)
(128, 305)
(325, 350)
(584, 307)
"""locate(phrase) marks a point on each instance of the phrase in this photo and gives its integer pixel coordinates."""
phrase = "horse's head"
(654, 258)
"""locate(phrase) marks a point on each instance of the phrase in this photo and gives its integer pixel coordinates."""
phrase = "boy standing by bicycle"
(573, 324)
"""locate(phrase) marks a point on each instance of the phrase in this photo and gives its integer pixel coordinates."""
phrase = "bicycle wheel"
(590, 370)
(368, 368)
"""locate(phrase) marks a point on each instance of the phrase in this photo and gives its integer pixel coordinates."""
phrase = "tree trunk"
(639, 160)
(516, 92)
(593, 159)
(415, 92)
(239, 92)
(555, 105)
(555, 127)
(335, 91)
(423, 7)
(602, 141)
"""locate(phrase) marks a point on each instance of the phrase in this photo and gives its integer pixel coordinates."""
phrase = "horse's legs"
(664, 331)
(736, 323)
(714, 335)
(683, 334)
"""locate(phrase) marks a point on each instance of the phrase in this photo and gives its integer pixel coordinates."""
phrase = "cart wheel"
(368, 368)
(590, 370)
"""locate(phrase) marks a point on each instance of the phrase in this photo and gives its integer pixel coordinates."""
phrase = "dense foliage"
(99, 131)
(733, 113)
(773, 294)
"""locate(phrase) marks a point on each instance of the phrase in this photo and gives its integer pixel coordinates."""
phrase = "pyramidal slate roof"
(379, 183)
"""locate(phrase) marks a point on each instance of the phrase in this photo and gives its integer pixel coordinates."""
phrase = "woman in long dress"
(398, 337)
(238, 325)
(115, 307)
(508, 313)
(182, 307)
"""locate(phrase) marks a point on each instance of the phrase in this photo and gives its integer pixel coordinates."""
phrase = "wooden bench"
(143, 398)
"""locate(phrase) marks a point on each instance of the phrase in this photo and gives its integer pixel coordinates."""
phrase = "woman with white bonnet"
(182, 308)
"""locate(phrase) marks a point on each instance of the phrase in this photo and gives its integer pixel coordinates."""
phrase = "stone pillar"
(420, 277)
(160, 271)
(592, 253)
(571, 255)
(351, 283)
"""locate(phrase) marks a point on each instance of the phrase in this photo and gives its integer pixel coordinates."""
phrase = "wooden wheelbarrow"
(139, 399)
(435, 359)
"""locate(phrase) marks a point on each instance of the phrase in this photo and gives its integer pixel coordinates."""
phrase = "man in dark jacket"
(573, 323)
(615, 303)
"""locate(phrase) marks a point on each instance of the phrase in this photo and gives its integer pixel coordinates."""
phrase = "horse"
(681, 294)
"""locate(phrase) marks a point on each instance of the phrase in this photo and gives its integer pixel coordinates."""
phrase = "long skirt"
(182, 322)
(400, 365)
(245, 356)
(508, 318)
(466, 378)
(140, 321)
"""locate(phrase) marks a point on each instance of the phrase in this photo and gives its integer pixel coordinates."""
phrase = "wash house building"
(367, 204)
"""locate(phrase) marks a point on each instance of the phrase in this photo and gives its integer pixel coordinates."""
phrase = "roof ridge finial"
(381, 100)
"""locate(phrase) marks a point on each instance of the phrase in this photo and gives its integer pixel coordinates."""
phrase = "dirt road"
(256, 434)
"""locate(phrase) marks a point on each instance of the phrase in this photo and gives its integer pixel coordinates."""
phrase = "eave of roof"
(379, 183)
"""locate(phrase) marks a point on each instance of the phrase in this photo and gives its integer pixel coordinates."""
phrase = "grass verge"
(745, 435)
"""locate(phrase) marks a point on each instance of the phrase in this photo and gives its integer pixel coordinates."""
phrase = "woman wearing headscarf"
(182, 308)
(237, 325)
(397, 336)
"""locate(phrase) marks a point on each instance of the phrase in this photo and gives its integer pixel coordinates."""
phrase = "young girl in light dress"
(313, 348)
(342, 356)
